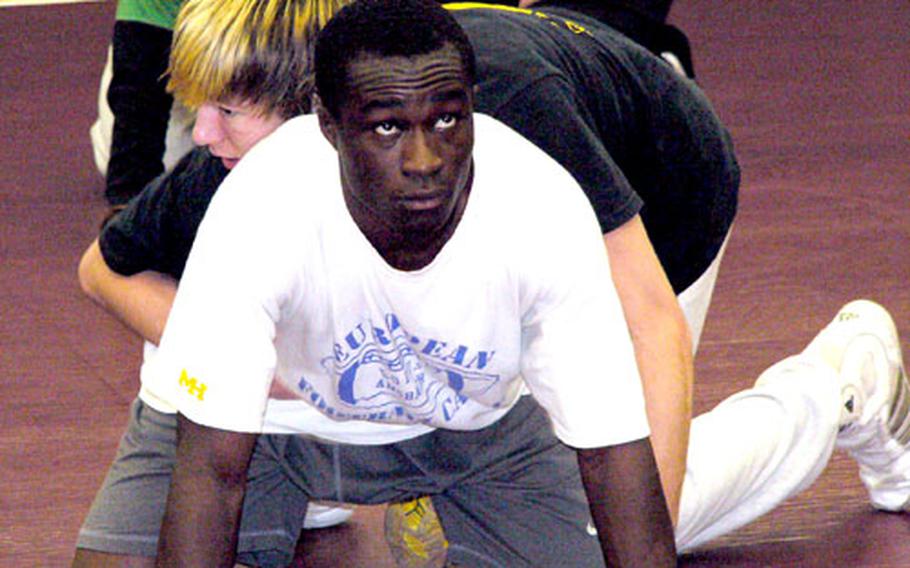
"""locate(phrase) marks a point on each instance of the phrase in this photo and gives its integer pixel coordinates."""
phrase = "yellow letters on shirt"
(192, 385)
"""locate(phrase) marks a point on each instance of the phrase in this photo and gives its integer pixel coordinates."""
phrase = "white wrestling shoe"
(861, 343)
(324, 516)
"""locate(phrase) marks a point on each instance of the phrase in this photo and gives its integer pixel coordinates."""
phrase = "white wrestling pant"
(695, 299)
(758, 447)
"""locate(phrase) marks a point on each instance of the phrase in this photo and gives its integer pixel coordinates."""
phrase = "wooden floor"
(816, 96)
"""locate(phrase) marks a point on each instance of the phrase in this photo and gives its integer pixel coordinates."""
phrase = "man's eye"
(386, 129)
(446, 121)
(227, 111)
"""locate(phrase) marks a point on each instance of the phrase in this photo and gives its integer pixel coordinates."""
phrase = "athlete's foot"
(861, 343)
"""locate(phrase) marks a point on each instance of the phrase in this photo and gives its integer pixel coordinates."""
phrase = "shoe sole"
(329, 517)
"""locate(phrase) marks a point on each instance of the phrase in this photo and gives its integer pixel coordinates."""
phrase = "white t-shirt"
(282, 283)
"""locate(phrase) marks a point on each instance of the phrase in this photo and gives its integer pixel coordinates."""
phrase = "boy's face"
(230, 129)
(404, 136)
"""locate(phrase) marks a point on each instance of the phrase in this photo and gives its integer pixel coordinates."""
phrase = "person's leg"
(511, 494)
(178, 140)
(507, 495)
(645, 21)
(273, 509)
(123, 523)
(757, 448)
(141, 108)
(121, 528)
(100, 131)
(696, 299)
(765, 444)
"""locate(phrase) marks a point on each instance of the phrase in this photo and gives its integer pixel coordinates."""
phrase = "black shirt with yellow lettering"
(637, 136)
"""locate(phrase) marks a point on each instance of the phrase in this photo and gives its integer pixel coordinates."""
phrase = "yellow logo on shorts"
(192, 385)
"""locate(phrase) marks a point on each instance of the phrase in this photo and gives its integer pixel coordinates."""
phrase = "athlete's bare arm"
(627, 505)
(141, 301)
(663, 349)
(206, 497)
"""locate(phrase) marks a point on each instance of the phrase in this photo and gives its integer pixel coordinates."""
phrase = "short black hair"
(386, 28)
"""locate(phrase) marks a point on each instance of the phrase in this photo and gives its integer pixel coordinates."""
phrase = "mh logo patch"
(192, 385)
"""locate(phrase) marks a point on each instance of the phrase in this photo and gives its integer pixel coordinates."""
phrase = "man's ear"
(326, 123)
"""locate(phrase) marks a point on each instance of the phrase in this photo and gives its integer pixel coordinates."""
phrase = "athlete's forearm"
(141, 301)
(624, 492)
(202, 517)
(663, 350)
(665, 363)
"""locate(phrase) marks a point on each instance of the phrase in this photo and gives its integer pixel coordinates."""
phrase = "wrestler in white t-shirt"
(282, 283)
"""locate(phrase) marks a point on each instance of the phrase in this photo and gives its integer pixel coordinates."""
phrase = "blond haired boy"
(244, 66)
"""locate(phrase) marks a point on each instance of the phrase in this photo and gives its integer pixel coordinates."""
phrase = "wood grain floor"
(816, 96)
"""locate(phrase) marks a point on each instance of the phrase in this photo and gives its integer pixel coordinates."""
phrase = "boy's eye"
(386, 129)
(227, 111)
(446, 121)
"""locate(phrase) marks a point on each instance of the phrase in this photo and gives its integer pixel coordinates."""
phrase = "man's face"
(404, 136)
(230, 129)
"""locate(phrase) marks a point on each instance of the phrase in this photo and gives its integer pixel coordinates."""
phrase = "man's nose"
(420, 157)
(207, 129)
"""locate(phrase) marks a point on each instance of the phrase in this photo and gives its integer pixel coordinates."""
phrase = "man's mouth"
(424, 201)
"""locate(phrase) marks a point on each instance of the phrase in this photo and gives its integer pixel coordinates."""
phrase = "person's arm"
(206, 496)
(660, 333)
(141, 301)
(627, 505)
(131, 268)
(663, 349)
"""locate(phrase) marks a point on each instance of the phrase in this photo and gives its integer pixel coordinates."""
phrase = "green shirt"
(161, 13)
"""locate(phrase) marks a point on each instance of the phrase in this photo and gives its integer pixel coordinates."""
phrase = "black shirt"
(636, 135)
(157, 228)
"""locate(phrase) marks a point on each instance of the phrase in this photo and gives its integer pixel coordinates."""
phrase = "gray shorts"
(506, 495)
(125, 517)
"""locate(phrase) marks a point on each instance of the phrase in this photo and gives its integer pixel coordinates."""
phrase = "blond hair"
(254, 51)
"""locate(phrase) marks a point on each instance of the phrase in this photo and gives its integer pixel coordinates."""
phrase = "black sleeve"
(548, 114)
(141, 107)
(156, 229)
